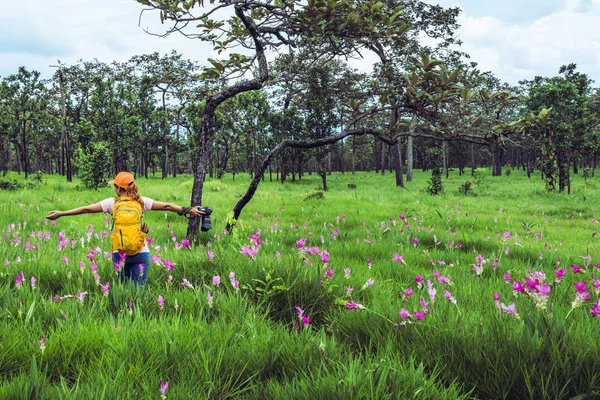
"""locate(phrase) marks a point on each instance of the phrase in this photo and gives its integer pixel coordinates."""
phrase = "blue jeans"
(131, 269)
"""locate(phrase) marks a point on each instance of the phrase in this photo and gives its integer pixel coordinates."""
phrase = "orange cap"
(122, 180)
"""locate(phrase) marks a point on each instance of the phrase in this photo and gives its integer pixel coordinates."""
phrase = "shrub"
(315, 195)
(480, 175)
(435, 186)
(95, 161)
(466, 189)
(10, 185)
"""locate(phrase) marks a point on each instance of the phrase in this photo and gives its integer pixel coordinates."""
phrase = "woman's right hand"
(52, 215)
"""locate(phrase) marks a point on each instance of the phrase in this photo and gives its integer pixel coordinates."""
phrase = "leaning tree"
(255, 27)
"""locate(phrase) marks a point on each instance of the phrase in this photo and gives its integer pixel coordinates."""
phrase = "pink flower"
(329, 272)
(408, 292)
(163, 388)
(347, 272)
(324, 257)
(543, 289)
(161, 302)
(187, 284)
(65, 260)
(423, 303)
(510, 309)
(349, 290)
(595, 309)
(496, 297)
(300, 243)
(399, 259)
(305, 320)
(415, 241)
(19, 279)
(216, 280)
(299, 311)
(576, 269)
(185, 243)
(560, 273)
(33, 280)
(580, 287)
(105, 288)
(507, 277)
(351, 305)
(518, 287)
(43, 344)
(419, 315)
(369, 263)
(369, 282)
(169, 265)
(449, 296)
(250, 251)
(404, 313)
(211, 255)
(209, 299)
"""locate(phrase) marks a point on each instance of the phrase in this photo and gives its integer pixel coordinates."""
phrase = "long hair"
(132, 191)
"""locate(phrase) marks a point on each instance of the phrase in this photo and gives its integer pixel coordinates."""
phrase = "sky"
(515, 39)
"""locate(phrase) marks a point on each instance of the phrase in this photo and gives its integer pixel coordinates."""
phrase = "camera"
(206, 225)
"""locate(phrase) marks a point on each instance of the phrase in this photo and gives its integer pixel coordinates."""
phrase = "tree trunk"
(409, 149)
(398, 164)
(473, 165)
(445, 157)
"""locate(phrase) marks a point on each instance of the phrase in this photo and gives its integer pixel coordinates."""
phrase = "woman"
(136, 266)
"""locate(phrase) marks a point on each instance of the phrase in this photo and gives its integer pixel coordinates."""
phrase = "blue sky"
(515, 39)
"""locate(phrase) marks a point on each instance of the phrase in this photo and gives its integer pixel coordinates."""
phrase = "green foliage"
(436, 186)
(245, 344)
(10, 185)
(94, 165)
(480, 175)
(316, 195)
(467, 189)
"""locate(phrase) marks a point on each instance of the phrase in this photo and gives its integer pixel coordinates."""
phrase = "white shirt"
(107, 207)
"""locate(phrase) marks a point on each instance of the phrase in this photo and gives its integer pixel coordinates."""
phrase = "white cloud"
(108, 30)
(515, 52)
(71, 30)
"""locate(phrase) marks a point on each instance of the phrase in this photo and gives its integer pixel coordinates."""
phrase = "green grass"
(250, 343)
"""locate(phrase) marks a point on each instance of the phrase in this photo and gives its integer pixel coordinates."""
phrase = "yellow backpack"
(129, 230)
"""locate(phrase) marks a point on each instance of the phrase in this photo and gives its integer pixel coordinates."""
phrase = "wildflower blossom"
(399, 259)
(211, 255)
(105, 288)
(510, 309)
(408, 292)
(595, 309)
(404, 313)
(347, 272)
(19, 279)
(216, 280)
(419, 315)
(250, 251)
(187, 284)
(163, 389)
(33, 280)
(43, 344)
(324, 257)
(161, 302)
(449, 296)
(368, 283)
(209, 299)
(351, 305)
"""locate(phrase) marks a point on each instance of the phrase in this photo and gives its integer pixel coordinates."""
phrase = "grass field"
(374, 292)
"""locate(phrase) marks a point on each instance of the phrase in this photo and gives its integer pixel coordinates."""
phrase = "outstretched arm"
(159, 206)
(93, 208)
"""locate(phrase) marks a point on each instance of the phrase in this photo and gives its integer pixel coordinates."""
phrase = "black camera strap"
(184, 211)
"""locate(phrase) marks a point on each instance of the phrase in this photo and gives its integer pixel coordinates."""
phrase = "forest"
(281, 99)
